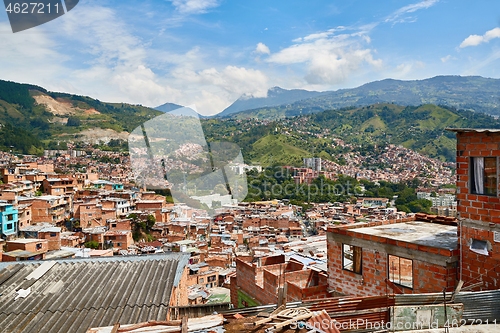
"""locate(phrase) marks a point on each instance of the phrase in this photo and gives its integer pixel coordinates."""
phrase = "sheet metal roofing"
(75, 295)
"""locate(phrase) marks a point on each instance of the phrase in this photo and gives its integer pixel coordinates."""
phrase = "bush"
(92, 245)
(73, 121)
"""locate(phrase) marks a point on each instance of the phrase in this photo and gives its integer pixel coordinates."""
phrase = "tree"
(92, 245)
(73, 121)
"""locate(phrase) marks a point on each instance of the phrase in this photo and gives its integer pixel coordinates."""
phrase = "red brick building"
(400, 257)
(153, 207)
(50, 208)
(25, 249)
(478, 152)
(118, 239)
(262, 279)
(89, 214)
(59, 186)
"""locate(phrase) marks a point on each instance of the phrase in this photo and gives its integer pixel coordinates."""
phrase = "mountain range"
(410, 113)
(275, 96)
(473, 93)
(168, 107)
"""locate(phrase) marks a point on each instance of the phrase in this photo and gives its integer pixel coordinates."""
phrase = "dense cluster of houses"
(268, 252)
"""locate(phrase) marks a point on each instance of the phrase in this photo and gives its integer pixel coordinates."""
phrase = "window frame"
(392, 278)
(345, 266)
(472, 177)
(479, 246)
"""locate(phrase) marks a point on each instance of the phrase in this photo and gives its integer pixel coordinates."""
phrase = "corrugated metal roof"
(479, 306)
(73, 296)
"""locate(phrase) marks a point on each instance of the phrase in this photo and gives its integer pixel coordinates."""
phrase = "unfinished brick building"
(478, 206)
(262, 280)
(392, 256)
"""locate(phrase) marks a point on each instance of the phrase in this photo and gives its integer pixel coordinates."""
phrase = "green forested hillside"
(29, 126)
(287, 140)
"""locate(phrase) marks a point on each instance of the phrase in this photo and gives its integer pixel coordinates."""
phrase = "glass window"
(479, 246)
(483, 175)
(401, 271)
(351, 258)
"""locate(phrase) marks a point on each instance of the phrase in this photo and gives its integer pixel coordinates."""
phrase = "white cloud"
(119, 67)
(262, 49)
(481, 64)
(446, 58)
(399, 15)
(319, 35)
(194, 6)
(110, 63)
(30, 56)
(230, 82)
(329, 59)
(408, 69)
(474, 40)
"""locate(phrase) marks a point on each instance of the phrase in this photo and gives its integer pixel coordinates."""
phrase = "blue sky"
(207, 53)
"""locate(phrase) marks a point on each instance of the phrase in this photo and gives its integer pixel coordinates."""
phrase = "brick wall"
(179, 294)
(295, 293)
(218, 261)
(263, 282)
(479, 214)
(373, 280)
(43, 245)
(53, 239)
(233, 290)
(471, 206)
(249, 279)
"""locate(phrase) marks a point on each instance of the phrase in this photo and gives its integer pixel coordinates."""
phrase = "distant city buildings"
(313, 163)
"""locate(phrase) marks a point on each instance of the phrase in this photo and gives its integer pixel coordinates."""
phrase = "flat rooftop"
(416, 232)
(26, 240)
